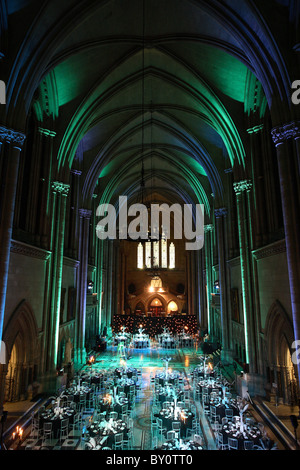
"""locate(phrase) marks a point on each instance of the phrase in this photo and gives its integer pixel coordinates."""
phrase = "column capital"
(208, 228)
(255, 129)
(11, 136)
(46, 132)
(59, 187)
(240, 186)
(85, 213)
(287, 131)
(76, 172)
(221, 212)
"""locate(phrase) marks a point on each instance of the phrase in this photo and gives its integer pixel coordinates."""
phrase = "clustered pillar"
(286, 139)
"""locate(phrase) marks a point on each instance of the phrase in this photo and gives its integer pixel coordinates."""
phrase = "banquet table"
(78, 391)
(129, 372)
(222, 406)
(125, 383)
(141, 341)
(107, 429)
(168, 343)
(115, 404)
(170, 377)
(186, 341)
(167, 393)
(250, 432)
(199, 371)
(175, 444)
(210, 384)
(93, 377)
(121, 339)
(183, 416)
(52, 415)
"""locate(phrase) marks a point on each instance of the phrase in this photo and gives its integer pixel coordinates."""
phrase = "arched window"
(172, 256)
(156, 254)
(140, 253)
(148, 255)
(164, 262)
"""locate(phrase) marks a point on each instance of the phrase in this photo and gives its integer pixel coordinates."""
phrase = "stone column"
(242, 189)
(220, 222)
(208, 247)
(60, 192)
(11, 146)
(284, 138)
(84, 220)
(45, 175)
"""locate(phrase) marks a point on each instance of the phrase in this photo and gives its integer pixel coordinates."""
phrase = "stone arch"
(22, 344)
(279, 338)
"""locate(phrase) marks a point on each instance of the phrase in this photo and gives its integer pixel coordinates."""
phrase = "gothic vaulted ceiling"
(167, 82)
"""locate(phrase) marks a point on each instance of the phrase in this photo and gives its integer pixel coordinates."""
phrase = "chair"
(176, 426)
(161, 430)
(118, 441)
(220, 442)
(35, 430)
(76, 423)
(171, 435)
(47, 431)
(64, 429)
(128, 441)
(113, 415)
(195, 429)
(213, 413)
(233, 443)
(229, 413)
(248, 445)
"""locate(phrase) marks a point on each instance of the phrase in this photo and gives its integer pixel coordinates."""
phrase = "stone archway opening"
(281, 372)
(21, 339)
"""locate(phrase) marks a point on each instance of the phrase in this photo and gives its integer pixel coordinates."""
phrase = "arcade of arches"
(99, 93)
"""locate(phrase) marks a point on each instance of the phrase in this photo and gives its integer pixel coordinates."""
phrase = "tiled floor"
(148, 360)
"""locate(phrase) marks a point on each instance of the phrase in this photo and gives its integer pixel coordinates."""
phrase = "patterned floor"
(148, 360)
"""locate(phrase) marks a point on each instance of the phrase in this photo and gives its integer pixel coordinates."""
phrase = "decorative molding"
(255, 129)
(269, 250)
(287, 131)
(46, 132)
(220, 212)
(29, 250)
(85, 213)
(208, 228)
(241, 186)
(233, 262)
(12, 137)
(60, 187)
(76, 172)
(70, 262)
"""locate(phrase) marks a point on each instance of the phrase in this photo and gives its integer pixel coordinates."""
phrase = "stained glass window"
(140, 252)
(172, 256)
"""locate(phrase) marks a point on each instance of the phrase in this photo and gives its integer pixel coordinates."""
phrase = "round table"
(107, 429)
(49, 416)
(184, 417)
(78, 391)
(174, 444)
(221, 407)
(121, 371)
(167, 393)
(116, 405)
(210, 385)
(170, 377)
(250, 433)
